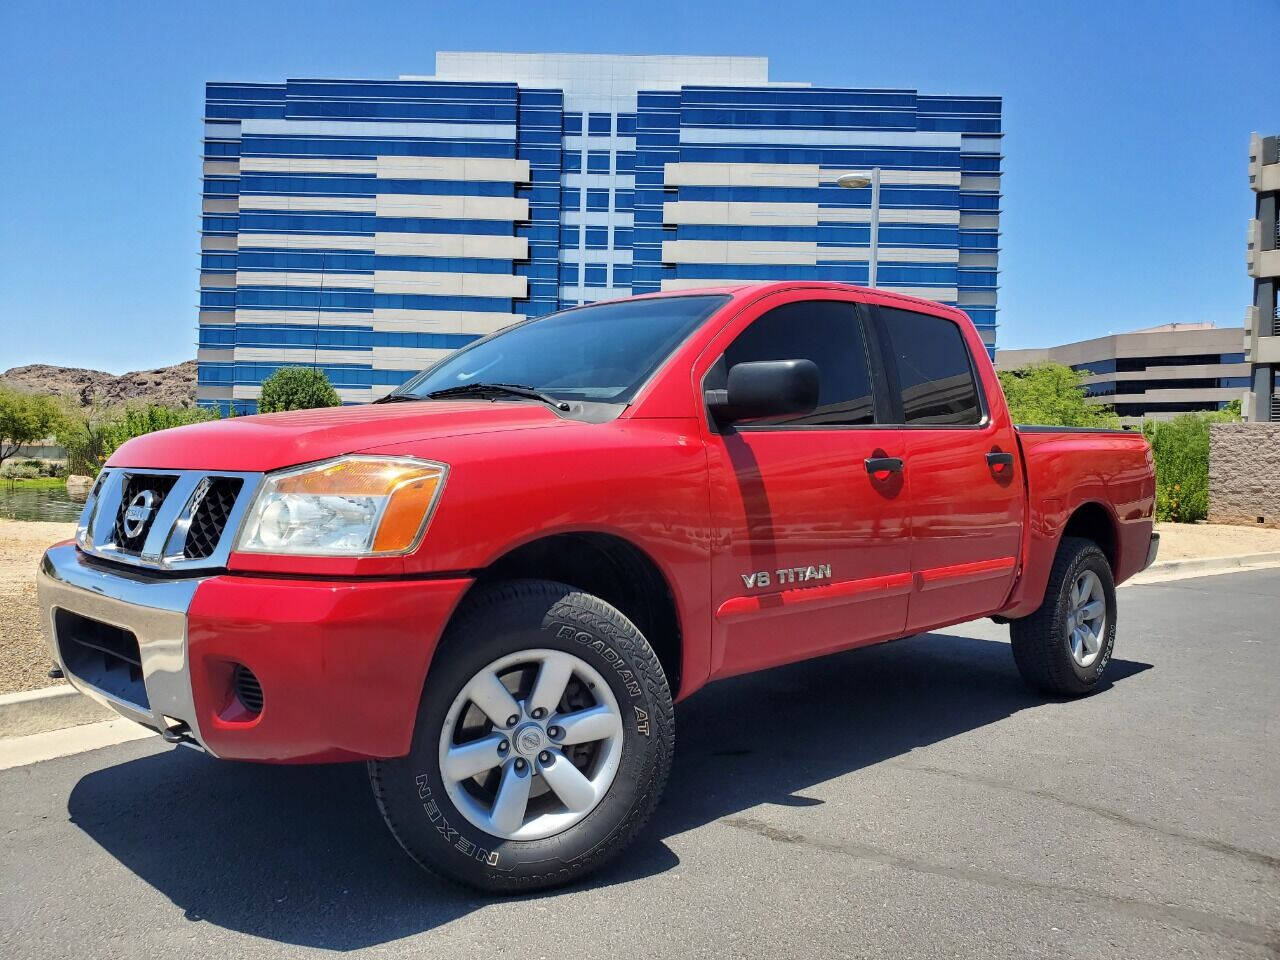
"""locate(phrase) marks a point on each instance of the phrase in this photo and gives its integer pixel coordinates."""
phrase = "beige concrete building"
(1154, 373)
(1262, 319)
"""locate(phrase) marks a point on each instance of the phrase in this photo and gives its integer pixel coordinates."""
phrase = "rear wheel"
(1065, 646)
(542, 743)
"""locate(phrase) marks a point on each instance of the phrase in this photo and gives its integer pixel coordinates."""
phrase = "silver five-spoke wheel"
(1086, 618)
(531, 744)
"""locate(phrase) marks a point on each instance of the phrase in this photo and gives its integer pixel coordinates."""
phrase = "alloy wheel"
(531, 744)
(1086, 618)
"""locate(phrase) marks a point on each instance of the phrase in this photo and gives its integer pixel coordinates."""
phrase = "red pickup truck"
(493, 583)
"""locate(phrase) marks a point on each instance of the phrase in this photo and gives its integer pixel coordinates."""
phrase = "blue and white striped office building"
(367, 227)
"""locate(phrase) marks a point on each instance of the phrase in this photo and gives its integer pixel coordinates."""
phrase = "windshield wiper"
(397, 398)
(511, 389)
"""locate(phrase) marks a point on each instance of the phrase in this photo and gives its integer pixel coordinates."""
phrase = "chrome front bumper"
(154, 610)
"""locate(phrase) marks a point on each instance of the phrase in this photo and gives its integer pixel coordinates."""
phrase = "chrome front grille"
(168, 519)
(129, 534)
(209, 518)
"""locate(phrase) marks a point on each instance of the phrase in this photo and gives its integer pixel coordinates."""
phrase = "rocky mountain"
(172, 386)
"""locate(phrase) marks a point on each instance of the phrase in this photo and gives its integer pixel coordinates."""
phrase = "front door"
(810, 550)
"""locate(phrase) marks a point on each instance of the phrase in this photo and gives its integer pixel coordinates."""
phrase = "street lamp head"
(853, 181)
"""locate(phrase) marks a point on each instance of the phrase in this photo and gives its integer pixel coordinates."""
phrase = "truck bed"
(1069, 469)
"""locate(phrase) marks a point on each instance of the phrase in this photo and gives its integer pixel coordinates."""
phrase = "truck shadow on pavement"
(299, 855)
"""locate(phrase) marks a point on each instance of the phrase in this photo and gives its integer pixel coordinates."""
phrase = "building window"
(571, 198)
(622, 237)
(572, 124)
(599, 123)
(569, 238)
(626, 161)
(598, 161)
(626, 124)
(597, 238)
(572, 161)
(621, 275)
(596, 275)
(598, 200)
(625, 200)
(568, 274)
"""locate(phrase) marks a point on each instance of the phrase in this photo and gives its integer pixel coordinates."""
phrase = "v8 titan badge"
(766, 578)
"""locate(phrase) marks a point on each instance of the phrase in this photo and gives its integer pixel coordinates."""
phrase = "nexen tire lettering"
(463, 846)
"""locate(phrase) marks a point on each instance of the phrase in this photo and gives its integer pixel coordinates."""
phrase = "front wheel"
(1064, 647)
(542, 743)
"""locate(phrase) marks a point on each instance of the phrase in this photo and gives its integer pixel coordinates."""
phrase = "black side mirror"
(766, 388)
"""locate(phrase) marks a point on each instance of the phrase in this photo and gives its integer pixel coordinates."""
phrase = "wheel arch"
(1092, 520)
(609, 567)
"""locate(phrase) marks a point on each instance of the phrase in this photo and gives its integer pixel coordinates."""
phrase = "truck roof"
(751, 291)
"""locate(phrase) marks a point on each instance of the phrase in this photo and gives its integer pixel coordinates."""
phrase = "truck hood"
(275, 440)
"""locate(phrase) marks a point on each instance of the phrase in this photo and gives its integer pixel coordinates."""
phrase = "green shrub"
(91, 440)
(1181, 449)
(19, 471)
(297, 388)
(43, 468)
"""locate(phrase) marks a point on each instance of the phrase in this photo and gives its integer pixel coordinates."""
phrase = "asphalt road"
(909, 800)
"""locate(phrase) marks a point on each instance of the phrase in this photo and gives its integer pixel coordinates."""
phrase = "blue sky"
(1127, 125)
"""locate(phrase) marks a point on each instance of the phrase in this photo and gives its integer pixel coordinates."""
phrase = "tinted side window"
(933, 368)
(827, 332)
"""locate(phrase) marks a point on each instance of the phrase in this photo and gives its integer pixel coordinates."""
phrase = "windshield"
(601, 353)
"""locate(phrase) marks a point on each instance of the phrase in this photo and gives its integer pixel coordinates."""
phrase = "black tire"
(495, 621)
(1041, 644)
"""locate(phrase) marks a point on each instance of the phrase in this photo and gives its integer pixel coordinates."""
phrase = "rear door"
(810, 550)
(963, 472)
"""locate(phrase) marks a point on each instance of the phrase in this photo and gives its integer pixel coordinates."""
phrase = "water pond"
(21, 501)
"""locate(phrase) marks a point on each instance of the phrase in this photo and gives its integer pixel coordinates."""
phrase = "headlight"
(348, 507)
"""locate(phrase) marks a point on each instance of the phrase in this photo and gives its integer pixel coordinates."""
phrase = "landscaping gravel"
(24, 659)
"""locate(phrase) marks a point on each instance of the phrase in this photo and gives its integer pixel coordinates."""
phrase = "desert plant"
(83, 437)
(90, 440)
(1181, 450)
(1053, 394)
(297, 388)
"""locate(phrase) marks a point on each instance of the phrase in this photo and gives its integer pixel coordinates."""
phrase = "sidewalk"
(1192, 541)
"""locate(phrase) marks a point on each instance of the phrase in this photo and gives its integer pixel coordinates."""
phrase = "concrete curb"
(66, 741)
(50, 708)
(1165, 569)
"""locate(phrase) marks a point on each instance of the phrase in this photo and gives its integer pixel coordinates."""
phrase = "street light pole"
(856, 182)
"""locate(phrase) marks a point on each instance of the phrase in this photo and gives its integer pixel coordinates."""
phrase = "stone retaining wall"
(1244, 473)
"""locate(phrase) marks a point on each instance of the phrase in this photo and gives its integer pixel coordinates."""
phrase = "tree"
(24, 419)
(297, 388)
(1053, 394)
